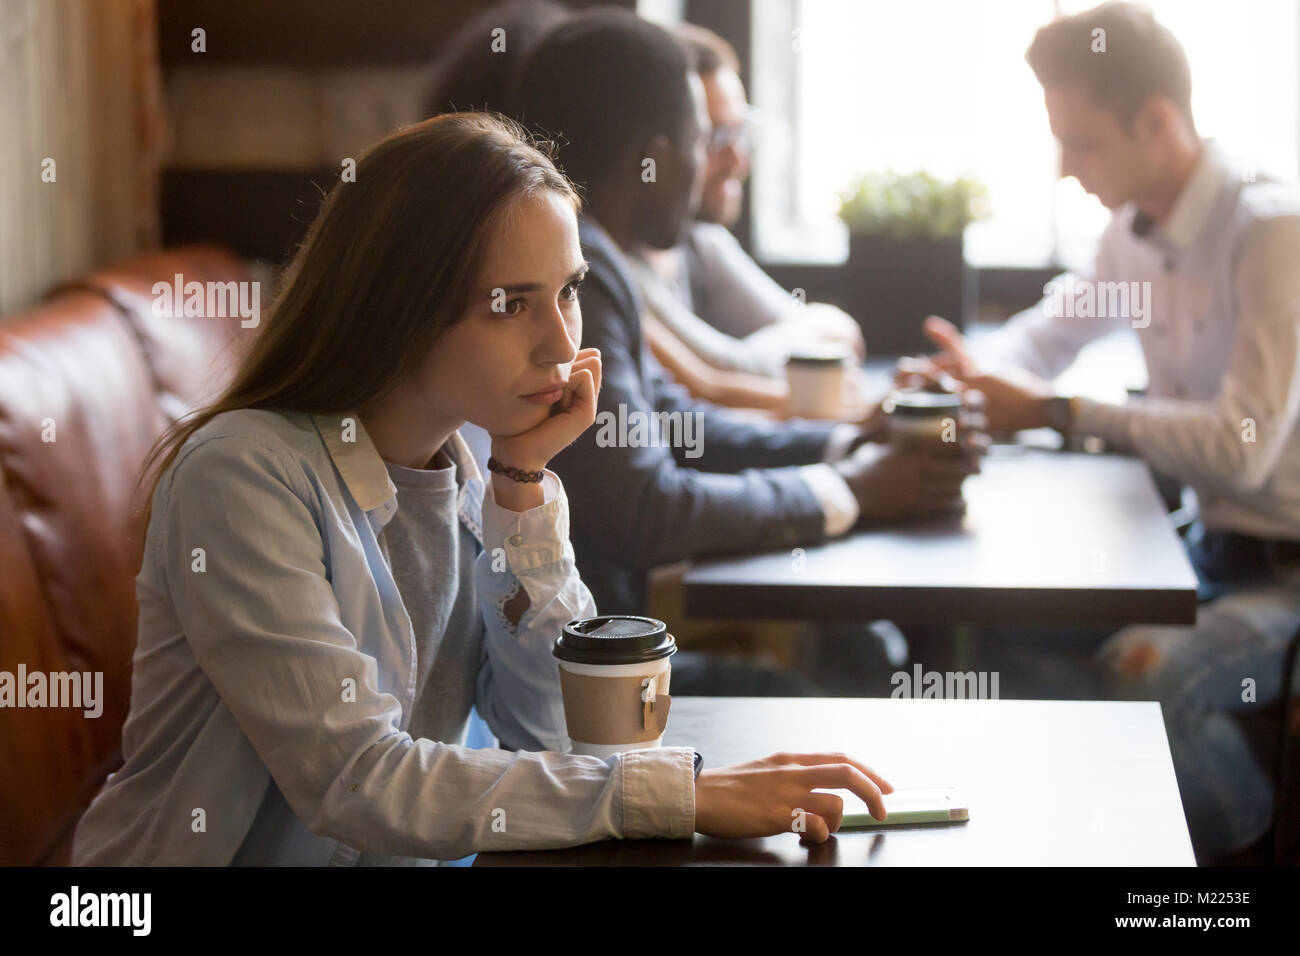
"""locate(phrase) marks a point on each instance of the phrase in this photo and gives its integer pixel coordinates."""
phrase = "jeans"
(1208, 676)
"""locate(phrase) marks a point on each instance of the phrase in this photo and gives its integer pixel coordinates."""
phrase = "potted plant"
(906, 258)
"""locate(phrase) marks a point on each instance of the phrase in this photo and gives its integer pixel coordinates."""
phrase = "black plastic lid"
(614, 639)
(918, 403)
(819, 357)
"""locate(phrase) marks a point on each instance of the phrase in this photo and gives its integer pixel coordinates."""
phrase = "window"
(847, 86)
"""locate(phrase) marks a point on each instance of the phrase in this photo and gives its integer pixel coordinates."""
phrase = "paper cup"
(816, 381)
(918, 417)
(614, 675)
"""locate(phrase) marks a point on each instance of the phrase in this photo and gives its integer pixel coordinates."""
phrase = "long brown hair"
(388, 264)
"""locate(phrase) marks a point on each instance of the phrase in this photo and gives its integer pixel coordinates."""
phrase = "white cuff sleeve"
(659, 793)
(533, 538)
(832, 492)
(842, 436)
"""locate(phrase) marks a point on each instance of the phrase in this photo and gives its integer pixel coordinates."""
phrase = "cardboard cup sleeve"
(614, 710)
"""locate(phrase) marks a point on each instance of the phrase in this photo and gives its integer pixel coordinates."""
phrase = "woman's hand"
(775, 795)
(569, 418)
(531, 450)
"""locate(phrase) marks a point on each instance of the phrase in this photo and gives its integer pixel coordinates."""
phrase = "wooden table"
(1048, 538)
(1060, 783)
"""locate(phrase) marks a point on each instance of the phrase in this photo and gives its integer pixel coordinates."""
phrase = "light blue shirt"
(274, 647)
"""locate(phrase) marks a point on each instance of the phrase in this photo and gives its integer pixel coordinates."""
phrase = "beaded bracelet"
(513, 473)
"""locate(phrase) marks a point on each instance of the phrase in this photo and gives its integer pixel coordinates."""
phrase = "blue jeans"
(1209, 675)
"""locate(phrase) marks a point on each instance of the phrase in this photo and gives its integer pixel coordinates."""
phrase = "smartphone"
(906, 807)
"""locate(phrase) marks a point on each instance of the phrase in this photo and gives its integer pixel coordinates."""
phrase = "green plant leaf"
(911, 204)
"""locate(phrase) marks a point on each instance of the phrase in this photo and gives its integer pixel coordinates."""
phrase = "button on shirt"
(1220, 331)
(277, 673)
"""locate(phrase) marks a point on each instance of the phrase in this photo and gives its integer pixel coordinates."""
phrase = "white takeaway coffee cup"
(816, 379)
(614, 674)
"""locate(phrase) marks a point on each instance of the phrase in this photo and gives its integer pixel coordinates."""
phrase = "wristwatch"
(699, 764)
(1060, 414)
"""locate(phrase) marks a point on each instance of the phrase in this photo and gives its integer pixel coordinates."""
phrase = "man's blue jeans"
(1207, 676)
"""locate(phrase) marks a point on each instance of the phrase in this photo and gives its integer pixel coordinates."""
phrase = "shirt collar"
(363, 471)
(1195, 204)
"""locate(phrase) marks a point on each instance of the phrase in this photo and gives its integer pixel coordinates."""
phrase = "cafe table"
(1047, 538)
(1055, 783)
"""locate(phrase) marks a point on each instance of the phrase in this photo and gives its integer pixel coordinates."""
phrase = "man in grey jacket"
(662, 477)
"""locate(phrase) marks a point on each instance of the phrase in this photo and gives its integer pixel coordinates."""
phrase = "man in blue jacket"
(663, 477)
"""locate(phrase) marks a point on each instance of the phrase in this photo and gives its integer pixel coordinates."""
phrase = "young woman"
(328, 586)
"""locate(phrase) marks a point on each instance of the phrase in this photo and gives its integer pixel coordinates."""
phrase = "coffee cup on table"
(924, 419)
(816, 378)
(614, 673)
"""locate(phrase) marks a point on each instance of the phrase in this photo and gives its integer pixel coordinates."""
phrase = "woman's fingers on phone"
(814, 828)
(823, 758)
(846, 776)
(828, 806)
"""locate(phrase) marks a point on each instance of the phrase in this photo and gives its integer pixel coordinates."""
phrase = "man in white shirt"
(1202, 258)
(718, 300)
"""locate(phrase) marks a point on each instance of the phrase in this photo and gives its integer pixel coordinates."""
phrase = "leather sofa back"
(89, 380)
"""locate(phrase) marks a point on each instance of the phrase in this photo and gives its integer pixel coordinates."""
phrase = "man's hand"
(892, 484)
(1014, 399)
(953, 356)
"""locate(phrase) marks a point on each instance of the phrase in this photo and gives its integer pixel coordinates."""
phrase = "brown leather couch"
(95, 369)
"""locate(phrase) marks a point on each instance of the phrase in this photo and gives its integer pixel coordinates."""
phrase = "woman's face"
(503, 365)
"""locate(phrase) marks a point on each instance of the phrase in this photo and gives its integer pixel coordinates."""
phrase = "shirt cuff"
(658, 793)
(837, 445)
(534, 538)
(832, 492)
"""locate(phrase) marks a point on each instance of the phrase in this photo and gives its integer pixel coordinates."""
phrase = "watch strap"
(1061, 414)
